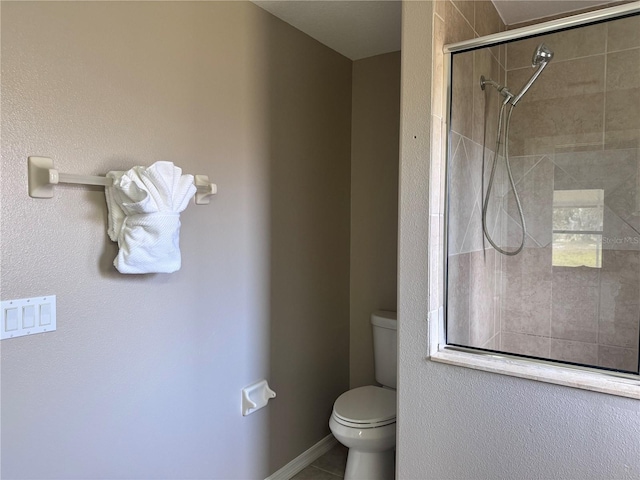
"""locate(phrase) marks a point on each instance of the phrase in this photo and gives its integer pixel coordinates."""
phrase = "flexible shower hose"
(485, 204)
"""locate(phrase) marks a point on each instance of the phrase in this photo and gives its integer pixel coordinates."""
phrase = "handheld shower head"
(542, 54)
(541, 58)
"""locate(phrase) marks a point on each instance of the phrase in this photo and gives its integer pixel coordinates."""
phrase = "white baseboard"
(305, 459)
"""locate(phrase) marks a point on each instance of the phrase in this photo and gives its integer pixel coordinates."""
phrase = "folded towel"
(144, 216)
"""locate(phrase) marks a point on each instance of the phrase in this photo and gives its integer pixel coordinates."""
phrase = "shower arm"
(504, 91)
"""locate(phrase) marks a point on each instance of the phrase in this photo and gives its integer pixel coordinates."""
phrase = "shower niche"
(543, 196)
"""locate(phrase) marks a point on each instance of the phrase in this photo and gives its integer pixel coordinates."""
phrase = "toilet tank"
(385, 347)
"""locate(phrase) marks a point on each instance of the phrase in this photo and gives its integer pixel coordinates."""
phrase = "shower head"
(542, 54)
(541, 58)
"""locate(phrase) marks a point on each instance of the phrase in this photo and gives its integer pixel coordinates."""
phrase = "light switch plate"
(27, 316)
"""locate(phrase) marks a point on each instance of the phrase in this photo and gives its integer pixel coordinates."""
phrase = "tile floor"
(330, 466)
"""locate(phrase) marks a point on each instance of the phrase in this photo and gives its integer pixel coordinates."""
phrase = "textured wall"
(142, 379)
(374, 203)
(461, 423)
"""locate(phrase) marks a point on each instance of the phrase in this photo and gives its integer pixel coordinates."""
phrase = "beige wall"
(310, 119)
(456, 422)
(142, 378)
(374, 203)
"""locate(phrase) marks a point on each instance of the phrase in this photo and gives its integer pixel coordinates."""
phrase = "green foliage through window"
(577, 228)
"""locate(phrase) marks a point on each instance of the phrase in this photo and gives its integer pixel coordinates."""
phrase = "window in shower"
(543, 228)
(578, 220)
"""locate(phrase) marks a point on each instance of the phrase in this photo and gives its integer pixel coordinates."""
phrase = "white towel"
(144, 216)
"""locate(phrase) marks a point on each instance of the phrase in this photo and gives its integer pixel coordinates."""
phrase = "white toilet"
(364, 419)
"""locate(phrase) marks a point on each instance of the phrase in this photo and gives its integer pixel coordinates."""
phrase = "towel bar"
(43, 177)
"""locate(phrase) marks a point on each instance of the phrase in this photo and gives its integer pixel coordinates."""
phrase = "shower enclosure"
(543, 195)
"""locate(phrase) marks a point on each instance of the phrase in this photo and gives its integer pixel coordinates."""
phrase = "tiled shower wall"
(577, 128)
(474, 280)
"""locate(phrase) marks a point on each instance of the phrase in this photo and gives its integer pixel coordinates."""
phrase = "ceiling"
(356, 29)
(361, 28)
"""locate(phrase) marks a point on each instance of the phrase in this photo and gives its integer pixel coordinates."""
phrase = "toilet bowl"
(364, 420)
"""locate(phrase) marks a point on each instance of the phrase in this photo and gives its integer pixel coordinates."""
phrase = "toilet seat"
(366, 407)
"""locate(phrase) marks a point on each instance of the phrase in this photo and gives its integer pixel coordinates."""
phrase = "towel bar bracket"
(204, 189)
(43, 177)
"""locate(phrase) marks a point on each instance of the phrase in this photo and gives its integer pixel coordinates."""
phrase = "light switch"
(28, 316)
(10, 319)
(45, 314)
